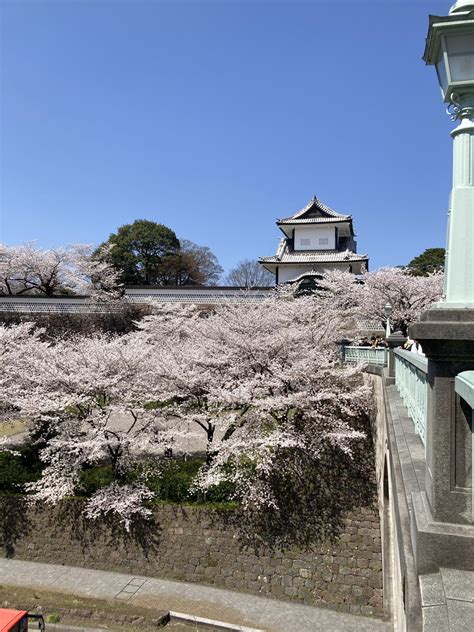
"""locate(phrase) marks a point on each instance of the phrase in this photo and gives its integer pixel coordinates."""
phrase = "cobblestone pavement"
(205, 601)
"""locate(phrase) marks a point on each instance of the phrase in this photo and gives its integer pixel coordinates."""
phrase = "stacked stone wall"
(201, 545)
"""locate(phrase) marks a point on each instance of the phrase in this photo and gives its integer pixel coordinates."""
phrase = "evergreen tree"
(431, 260)
(141, 251)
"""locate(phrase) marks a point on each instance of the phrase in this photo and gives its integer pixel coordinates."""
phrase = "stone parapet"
(438, 544)
(447, 338)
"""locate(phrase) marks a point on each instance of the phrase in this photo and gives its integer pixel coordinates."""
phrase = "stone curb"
(210, 624)
(58, 627)
(178, 617)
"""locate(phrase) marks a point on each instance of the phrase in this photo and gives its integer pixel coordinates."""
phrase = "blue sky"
(215, 118)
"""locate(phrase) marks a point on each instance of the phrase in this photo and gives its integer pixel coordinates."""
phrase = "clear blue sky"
(214, 118)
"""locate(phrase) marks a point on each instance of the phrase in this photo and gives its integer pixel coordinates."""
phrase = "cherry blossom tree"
(409, 295)
(365, 297)
(262, 381)
(87, 394)
(95, 275)
(29, 270)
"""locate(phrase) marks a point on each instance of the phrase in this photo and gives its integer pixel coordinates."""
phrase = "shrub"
(16, 470)
(93, 478)
(172, 481)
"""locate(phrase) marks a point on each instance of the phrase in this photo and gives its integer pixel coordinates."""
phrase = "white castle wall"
(314, 234)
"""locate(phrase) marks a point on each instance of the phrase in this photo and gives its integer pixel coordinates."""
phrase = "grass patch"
(70, 609)
(171, 480)
(172, 483)
(174, 479)
(93, 478)
(145, 616)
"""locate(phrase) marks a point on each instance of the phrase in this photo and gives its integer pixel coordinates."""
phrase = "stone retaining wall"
(201, 545)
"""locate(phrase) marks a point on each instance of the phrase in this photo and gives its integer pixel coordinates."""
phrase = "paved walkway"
(447, 597)
(447, 601)
(410, 448)
(204, 601)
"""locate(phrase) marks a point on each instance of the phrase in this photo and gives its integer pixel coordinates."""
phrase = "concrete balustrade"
(369, 355)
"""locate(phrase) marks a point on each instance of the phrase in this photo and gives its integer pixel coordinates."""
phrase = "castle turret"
(316, 239)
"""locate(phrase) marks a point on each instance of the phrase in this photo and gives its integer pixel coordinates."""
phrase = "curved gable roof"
(315, 212)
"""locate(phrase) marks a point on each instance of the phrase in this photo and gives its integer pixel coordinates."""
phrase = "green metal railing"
(411, 381)
(367, 355)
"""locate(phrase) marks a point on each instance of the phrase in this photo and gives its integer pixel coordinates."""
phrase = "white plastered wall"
(290, 272)
(314, 234)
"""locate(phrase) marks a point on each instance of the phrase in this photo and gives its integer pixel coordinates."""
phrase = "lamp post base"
(447, 338)
(452, 306)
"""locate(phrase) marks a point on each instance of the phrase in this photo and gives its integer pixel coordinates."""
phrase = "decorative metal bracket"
(456, 110)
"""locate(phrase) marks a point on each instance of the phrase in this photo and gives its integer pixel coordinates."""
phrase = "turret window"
(305, 242)
(323, 241)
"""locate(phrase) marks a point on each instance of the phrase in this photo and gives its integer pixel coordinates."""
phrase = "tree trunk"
(210, 453)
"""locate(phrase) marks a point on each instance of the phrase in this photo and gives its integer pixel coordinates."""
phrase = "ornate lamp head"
(462, 5)
(450, 48)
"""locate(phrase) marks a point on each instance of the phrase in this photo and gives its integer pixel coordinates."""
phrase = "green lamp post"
(450, 48)
(446, 331)
(388, 313)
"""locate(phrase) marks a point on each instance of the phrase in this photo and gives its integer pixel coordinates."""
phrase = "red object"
(13, 620)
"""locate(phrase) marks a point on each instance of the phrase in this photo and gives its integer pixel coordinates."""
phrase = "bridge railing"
(464, 387)
(411, 372)
(369, 355)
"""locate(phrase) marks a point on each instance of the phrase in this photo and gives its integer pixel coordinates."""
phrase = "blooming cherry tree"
(89, 395)
(409, 295)
(261, 380)
(29, 270)
(365, 297)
